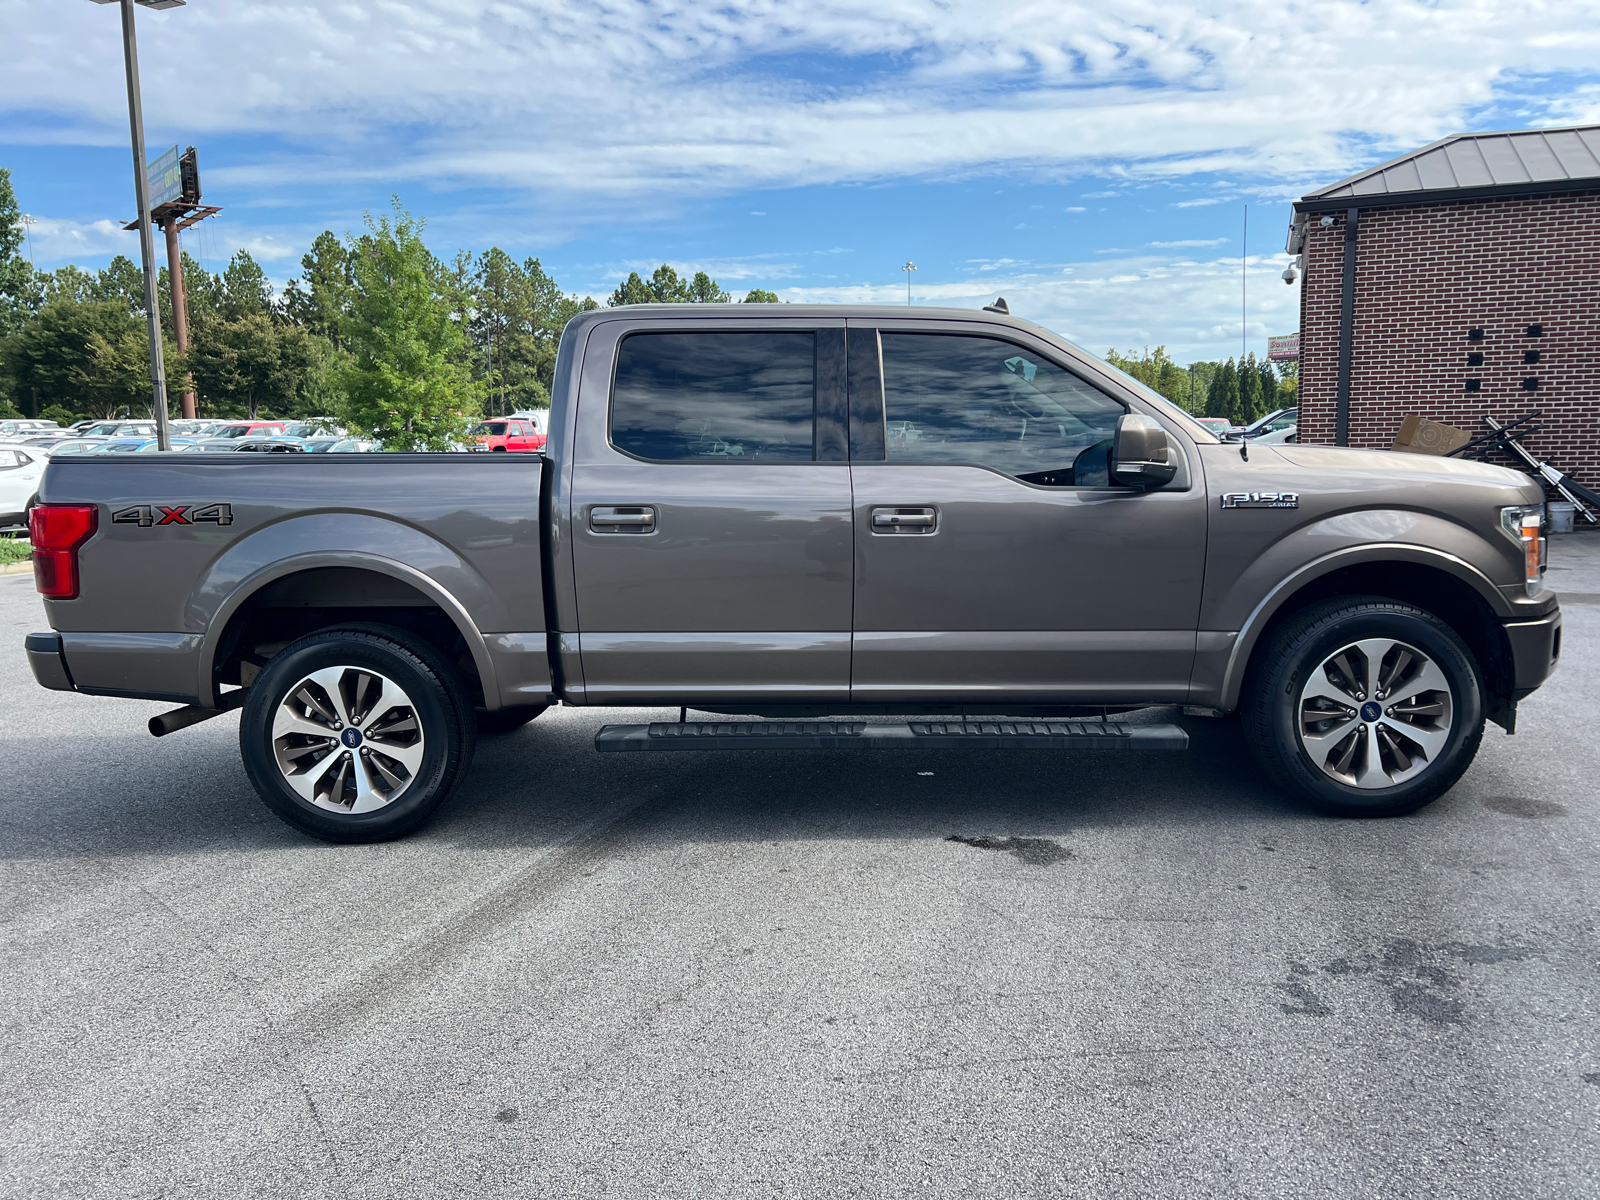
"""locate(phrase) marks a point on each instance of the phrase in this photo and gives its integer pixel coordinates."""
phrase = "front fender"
(344, 540)
(1239, 609)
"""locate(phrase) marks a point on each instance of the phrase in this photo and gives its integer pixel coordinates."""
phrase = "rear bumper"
(49, 666)
(1535, 650)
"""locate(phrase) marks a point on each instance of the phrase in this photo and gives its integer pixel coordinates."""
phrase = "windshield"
(232, 431)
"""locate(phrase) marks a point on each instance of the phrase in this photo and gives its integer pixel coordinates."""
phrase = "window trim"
(817, 440)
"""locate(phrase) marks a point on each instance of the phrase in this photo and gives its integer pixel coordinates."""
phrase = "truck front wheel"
(1364, 707)
(356, 735)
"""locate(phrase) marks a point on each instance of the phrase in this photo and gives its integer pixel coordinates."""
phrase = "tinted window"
(715, 397)
(490, 429)
(952, 399)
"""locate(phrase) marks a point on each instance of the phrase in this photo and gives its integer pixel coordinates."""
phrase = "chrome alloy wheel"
(1375, 713)
(347, 739)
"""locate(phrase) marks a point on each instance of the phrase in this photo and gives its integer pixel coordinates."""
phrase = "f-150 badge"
(1261, 500)
(146, 515)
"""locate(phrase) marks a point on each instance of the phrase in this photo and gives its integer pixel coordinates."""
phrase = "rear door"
(995, 563)
(710, 511)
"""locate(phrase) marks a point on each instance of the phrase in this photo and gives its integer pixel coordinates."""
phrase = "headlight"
(1522, 523)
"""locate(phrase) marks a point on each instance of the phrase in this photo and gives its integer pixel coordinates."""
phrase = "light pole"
(908, 268)
(141, 188)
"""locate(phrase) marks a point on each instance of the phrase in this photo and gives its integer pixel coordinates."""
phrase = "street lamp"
(908, 268)
(141, 188)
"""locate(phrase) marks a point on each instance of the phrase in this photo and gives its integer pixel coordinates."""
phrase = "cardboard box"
(1418, 435)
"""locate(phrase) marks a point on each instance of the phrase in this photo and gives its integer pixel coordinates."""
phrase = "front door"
(995, 562)
(711, 515)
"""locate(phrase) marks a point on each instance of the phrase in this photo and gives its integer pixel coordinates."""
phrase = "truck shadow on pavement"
(545, 784)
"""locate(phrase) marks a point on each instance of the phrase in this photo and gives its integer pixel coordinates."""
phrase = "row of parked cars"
(26, 446)
(1275, 428)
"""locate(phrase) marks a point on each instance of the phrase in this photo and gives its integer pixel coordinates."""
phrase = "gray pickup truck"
(848, 528)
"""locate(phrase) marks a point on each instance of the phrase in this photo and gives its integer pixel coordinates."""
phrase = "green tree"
(1156, 370)
(18, 289)
(320, 298)
(92, 356)
(760, 296)
(407, 382)
(1222, 398)
(250, 364)
(1249, 391)
(501, 328)
(665, 286)
(1271, 397)
(245, 290)
(551, 310)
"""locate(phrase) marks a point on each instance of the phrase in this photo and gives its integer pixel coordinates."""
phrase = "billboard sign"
(166, 179)
(1285, 347)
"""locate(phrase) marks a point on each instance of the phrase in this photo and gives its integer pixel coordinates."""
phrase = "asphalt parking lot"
(769, 974)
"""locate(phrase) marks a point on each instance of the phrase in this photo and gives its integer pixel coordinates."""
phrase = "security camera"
(1326, 222)
(1289, 274)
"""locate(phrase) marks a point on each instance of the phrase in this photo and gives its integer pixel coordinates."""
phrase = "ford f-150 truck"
(848, 528)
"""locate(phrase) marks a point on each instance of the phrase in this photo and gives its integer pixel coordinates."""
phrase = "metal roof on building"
(1474, 164)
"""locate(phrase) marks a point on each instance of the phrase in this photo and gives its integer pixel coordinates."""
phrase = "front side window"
(978, 400)
(490, 429)
(715, 397)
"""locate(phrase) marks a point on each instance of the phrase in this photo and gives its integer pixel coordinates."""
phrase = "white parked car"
(1274, 429)
(21, 468)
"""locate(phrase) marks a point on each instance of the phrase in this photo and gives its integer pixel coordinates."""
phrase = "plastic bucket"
(1561, 516)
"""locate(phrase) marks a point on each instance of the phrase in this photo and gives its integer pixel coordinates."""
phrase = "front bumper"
(1535, 650)
(48, 663)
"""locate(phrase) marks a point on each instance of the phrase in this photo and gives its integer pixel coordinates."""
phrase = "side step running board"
(912, 735)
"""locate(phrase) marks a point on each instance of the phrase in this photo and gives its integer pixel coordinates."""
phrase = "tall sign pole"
(180, 305)
(147, 242)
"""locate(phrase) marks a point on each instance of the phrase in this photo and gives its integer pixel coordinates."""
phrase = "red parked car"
(508, 434)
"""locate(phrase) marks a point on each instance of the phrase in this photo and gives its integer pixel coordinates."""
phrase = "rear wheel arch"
(293, 599)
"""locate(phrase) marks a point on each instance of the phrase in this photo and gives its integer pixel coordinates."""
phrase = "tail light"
(56, 531)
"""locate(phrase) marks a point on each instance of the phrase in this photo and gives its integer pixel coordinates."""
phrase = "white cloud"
(1191, 307)
(55, 239)
(1199, 203)
(1187, 242)
(1074, 209)
(642, 99)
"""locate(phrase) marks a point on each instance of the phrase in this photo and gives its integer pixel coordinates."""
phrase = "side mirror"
(1139, 456)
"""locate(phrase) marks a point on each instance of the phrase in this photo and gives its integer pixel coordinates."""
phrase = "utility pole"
(908, 268)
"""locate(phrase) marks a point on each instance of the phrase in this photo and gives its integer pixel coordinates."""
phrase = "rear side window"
(977, 400)
(715, 397)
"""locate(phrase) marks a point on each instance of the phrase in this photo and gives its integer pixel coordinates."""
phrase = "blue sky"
(1091, 164)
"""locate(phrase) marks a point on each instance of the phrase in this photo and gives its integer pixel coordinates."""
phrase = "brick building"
(1472, 287)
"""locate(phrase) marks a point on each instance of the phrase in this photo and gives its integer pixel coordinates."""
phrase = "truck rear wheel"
(356, 735)
(1365, 707)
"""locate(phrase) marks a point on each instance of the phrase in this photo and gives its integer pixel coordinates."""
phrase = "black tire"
(1272, 708)
(437, 700)
(505, 720)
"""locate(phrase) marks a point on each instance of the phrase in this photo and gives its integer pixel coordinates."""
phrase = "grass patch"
(14, 550)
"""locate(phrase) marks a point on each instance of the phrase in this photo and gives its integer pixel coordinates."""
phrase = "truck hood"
(1399, 464)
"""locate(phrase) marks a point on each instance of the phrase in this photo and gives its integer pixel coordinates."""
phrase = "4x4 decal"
(146, 515)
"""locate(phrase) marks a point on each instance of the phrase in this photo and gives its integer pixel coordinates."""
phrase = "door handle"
(905, 520)
(628, 518)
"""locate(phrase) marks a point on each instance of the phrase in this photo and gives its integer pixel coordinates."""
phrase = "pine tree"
(1249, 390)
